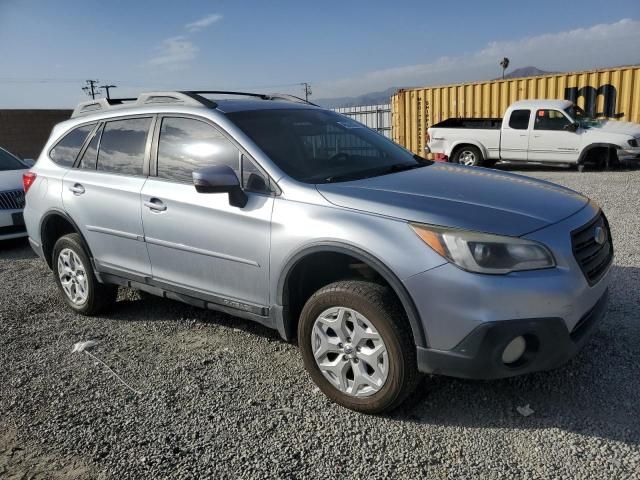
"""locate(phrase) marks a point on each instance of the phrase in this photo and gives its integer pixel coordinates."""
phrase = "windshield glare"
(319, 146)
(9, 162)
(580, 116)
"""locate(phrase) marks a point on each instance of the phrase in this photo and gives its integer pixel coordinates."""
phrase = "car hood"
(615, 126)
(11, 179)
(470, 198)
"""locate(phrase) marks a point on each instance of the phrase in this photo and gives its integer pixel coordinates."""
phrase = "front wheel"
(75, 278)
(468, 155)
(357, 346)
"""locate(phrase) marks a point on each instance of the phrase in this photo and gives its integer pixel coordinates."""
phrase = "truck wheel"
(357, 346)
(469, 156)
(75, 278)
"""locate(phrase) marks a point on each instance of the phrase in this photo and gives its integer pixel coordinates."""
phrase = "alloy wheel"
(73, 276)
(349, 351)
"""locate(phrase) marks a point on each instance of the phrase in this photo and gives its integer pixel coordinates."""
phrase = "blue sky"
(48, 48)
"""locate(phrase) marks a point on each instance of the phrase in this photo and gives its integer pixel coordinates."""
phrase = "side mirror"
(220, 179)
(571, 127)
(29, 162)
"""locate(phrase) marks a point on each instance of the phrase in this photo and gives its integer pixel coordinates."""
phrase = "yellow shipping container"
(612, 93)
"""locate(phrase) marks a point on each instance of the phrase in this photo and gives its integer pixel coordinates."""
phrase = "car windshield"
(581, 117)
(9, 162)
(319, 146)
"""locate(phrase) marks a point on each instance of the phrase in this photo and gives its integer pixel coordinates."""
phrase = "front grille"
(11, 200)
(593, 257)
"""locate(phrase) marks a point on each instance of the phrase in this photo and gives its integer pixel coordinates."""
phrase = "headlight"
(633, 142)
(483, 252)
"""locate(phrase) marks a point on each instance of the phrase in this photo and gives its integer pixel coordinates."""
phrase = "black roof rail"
(262, 96)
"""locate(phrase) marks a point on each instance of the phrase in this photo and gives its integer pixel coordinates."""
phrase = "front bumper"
(12, 224)
(626, 154)
(479, 355)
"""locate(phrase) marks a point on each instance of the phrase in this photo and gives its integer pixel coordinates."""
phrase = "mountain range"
(382, 97)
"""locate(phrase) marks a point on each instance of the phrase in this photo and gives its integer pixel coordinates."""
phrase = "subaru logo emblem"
(600, 235)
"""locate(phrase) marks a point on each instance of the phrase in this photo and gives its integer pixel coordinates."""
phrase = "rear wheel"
(468, 155)
(75, 278)
(357, 346)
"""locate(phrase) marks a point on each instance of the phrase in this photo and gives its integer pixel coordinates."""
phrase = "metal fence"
(377, 117)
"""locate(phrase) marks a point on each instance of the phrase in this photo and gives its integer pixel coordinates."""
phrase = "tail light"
(440, 157)
(27, 180)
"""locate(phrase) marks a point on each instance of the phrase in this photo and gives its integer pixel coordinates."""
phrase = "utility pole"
(90, 89)
(106, 88)
(307, 90)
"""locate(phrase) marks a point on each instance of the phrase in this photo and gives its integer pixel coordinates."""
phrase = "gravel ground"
(224, 398)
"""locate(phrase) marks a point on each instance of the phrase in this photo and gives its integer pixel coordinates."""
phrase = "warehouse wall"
(608, 93)
(24, 132)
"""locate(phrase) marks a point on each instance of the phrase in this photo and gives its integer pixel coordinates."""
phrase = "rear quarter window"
(519, 119)
(66, 150)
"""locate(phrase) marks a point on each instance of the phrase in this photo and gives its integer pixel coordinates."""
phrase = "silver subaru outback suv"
(381, 264)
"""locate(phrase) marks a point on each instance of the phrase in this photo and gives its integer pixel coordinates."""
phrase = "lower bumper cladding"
(549, 344)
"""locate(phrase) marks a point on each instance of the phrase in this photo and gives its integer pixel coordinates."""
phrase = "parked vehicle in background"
(11, 196)
(382, 264)
(539, 131)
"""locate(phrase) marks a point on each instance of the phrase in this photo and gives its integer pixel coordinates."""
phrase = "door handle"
(77, 189)
(155, 204)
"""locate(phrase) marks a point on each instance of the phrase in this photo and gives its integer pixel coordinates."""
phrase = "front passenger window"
(550, 120)
(187, 144)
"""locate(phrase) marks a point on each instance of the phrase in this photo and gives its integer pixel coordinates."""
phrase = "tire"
(377, 308)
(91, 297)
(468, 155)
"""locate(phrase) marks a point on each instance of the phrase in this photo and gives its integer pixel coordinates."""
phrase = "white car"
(11, 196)
(538, 131)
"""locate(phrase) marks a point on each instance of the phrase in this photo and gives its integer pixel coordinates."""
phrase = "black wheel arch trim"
(61, 213)
(284, 325)
(585, 151)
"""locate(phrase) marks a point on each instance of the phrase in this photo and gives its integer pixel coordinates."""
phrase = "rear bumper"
(479, 354)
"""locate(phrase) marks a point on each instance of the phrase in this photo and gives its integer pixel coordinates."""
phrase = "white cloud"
(203, 22)
(583, 48)
(174, 52)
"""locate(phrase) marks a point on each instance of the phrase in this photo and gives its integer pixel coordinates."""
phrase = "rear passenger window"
(122, 146)
(66, 150)
(519, 119)
(186, 145)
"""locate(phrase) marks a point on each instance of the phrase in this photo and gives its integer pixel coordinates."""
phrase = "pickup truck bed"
(485, 123)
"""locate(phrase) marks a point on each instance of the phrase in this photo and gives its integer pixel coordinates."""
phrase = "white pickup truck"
(538, 131)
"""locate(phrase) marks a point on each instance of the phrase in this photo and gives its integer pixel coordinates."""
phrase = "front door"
(102, 195)
(197, 241)
(551, 141)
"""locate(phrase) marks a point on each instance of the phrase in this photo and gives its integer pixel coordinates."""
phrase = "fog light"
(514, 350)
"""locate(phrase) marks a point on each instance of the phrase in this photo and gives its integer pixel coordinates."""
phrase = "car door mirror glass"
(220, 179)
(571, 127)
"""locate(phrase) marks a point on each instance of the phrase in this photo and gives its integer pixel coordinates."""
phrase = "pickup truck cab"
(539, 131)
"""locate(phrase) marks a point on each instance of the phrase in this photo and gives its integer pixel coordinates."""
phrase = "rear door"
(199, 242)
(102, 194)
(514, 139)
(550, 141)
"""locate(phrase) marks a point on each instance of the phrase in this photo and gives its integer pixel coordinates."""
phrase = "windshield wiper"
(395, 168)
